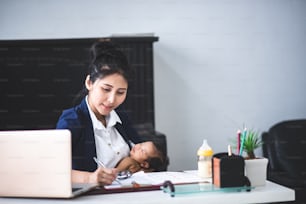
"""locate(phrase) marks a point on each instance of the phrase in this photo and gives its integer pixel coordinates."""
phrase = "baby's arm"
(128, 163)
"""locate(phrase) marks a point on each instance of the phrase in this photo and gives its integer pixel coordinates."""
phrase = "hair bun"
(102, 48)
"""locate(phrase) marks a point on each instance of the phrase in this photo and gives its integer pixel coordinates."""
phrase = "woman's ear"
(88, 83)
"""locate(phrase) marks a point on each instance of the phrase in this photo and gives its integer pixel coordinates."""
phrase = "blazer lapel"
(122, 132)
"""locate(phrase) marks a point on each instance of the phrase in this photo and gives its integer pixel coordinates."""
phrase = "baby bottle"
(204, 160)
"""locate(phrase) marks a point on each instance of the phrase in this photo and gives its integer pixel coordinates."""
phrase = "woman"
(98, 130)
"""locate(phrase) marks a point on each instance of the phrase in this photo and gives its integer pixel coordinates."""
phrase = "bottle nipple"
(205, 149)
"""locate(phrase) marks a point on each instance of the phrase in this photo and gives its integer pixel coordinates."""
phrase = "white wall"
(219, 64)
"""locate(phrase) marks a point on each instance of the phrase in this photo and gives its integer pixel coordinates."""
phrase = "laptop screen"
(35, 163)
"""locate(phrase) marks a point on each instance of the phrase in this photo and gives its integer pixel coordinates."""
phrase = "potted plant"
(255, 167)
(251, 142)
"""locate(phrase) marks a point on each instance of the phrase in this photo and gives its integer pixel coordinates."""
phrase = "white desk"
(270, 193)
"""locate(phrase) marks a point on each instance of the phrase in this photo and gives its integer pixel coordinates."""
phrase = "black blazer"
(78, 121)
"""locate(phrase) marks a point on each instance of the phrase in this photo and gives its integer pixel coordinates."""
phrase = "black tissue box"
(228, 171)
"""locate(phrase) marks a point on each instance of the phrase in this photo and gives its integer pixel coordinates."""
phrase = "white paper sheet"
(158, 178)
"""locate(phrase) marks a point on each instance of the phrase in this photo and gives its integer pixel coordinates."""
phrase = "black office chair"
(285, 147)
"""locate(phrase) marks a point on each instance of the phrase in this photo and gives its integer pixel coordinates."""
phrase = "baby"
(145, 156)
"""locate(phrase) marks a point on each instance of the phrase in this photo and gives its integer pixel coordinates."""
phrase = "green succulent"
(252, 141)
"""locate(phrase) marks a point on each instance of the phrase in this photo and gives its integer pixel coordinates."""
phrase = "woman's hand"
(102, 176)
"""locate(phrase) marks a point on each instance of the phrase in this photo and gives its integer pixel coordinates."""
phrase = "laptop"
(37, 163)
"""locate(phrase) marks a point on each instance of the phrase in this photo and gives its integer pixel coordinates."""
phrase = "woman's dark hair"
(106, 58)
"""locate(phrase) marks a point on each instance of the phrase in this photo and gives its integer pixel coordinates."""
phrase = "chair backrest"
(285, 146)
(148, 133)
(268, 150)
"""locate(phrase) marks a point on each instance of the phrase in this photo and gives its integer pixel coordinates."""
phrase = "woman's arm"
(103, 176)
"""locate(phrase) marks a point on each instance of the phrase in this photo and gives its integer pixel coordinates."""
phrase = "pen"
(242, 142)
(229, 150)
(99, 162)
(238, 141)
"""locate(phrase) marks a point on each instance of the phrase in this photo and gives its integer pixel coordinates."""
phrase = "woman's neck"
(102, 119)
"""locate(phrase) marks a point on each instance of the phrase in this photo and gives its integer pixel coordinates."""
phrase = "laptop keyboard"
(75, 189)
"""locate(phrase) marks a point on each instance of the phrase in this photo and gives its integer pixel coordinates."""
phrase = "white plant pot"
(256, 171)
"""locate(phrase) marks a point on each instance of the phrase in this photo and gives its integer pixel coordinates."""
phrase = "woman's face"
(106, 94)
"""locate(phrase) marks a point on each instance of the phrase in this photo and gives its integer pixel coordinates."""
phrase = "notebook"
(37, 163)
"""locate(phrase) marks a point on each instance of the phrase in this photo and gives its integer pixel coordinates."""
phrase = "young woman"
(99, 129)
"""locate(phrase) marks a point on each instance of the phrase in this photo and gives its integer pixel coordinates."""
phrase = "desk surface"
(271, 192)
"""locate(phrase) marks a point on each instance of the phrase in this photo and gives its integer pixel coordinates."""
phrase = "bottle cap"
(205, 149)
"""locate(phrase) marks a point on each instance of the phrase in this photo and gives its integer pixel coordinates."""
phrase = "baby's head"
(148, 155)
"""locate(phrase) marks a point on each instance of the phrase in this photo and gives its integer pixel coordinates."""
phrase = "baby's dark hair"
(106, 58)
(160, 162)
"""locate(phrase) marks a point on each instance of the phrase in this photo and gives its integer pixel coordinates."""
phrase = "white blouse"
(110, 145)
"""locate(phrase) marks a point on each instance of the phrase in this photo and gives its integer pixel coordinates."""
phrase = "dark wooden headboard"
(40, 78)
